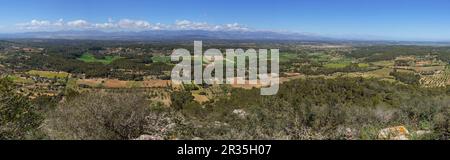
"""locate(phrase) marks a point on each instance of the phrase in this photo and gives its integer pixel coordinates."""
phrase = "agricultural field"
(48, 74)
(337, 65)
(20, 80)
(384, 63)
(363, 65)
(441, 79)
(286, 57)
(161, 59)
(90, 58)
(319, 57)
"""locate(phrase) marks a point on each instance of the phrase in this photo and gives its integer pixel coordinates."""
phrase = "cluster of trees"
(343, 108)
(390, 52)
(19, 118)
(180, 98)
(407, 77)
(318, 69)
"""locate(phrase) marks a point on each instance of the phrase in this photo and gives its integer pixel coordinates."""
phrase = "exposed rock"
(240, 113)
(349, 133)
(421, 133)
(148, 137)
(197, 138)
(394, 133)
(220, 124)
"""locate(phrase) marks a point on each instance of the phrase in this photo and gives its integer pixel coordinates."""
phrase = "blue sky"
(388, 19)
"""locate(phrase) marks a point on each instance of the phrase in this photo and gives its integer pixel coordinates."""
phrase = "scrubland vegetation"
(120, 91)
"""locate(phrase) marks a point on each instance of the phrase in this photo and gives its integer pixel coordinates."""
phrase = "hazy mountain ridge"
(171, 35)
(166, 34)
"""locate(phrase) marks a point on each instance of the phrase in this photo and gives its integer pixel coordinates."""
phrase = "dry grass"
(156, 83)
(200, 98)
(429, 69)
(48, 74)
(384, 63)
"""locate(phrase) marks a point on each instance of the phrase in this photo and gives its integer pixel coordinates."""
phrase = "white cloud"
(35, 24)
(78, 24)
(182, 22)
(235, 26)
(105, 25)
(46, 25)
(189, 25)
(133, 24)
(39, 23)
(127, 25)
(59, 23)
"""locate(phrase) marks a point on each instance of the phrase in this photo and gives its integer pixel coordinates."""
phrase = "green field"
(286, 57)
(21, 80)
(319, 57)
(162, 59)
(384, 63)
(336, 65)
(89, 58)
(363, 65)
(339, 63)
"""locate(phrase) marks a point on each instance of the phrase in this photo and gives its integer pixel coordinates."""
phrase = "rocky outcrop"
(240, 113)
(148, 137)
(394, 133)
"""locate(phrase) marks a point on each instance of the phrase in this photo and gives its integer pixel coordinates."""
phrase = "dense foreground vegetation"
(322, 109)
(343, 108)
(19, 119)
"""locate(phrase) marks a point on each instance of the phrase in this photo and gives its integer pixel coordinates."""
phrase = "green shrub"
(19, 119)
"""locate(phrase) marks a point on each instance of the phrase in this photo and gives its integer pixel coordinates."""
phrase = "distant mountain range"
(167, 35)
(174, 35)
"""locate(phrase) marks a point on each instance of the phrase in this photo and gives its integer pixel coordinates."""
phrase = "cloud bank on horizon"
(125, 25)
